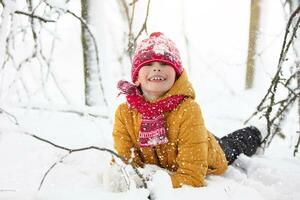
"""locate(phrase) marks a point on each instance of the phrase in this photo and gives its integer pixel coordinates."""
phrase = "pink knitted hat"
(156, 48)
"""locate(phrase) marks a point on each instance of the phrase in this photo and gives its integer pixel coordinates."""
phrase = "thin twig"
(34, 16)
(132, 44)
(262, 108)
(275, 117)
(144, 27)
(67, 110)
(133, 2)
(129, 20)
(50, 72)
(273, 86)
(10, 57)
(298, 85)
(282, 54)
(83, 23)
(7, 190)
(70, 151)
(291, 78)
(52, 166)
(124, 5)
(132, 17)
(285, 49)
(96, 53)
(297, 145)
(14, 119)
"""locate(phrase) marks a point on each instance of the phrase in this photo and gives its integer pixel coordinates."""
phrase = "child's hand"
(161, 186)
(149, 170)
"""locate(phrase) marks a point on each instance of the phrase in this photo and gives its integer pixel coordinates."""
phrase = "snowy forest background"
(60, 61)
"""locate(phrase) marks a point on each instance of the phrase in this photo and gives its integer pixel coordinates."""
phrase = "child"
(162, 124)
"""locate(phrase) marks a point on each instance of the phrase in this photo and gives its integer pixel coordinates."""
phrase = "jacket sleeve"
(192, 148)
(122, 141)
(218, 163)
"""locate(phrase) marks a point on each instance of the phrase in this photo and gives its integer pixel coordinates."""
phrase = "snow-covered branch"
(70, 151)
(9, 37)
(270, 108)
(78, 111)
(144, 26)
(34, 16)
(86, 28)
(132, 39)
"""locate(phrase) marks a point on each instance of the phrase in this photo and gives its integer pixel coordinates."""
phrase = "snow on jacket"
(192, 151)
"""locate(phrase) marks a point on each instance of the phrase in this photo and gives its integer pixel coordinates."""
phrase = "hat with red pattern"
(156, 48)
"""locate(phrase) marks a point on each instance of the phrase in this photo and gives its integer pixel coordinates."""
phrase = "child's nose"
(156, 67)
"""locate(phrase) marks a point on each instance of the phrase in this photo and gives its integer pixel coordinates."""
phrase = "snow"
(58, 3)
(217, 33)
(5, 27)
(161, 186)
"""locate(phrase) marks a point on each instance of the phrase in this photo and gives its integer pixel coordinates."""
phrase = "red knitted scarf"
(153, 131)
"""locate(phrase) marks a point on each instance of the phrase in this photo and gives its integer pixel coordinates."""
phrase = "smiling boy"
(162, 124)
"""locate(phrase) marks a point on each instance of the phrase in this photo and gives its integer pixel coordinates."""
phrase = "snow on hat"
(156, 48)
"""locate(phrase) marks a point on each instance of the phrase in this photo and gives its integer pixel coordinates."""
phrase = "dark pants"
(245, 140)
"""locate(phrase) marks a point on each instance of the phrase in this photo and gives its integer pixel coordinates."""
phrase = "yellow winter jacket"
(192, 151)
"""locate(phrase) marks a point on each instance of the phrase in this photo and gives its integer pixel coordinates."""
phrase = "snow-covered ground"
(217, 33)
(89, 175)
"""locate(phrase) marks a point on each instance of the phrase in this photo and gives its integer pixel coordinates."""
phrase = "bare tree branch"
(144, 27)
(297, 145)
(67, 110)
(52, 166)
(34, 55)
(133, 2)
(275, 116)
(96, 53)
(7, 190)
(83, 23)
(285, 47)
(9, 57)
(70, 151)
(34, 16)
(50, 72)
(124, 5)
(281, 58)
(129, 20)
(132, 16)
(131, 39)
(38, 55)
(298, 84)
(10, 116)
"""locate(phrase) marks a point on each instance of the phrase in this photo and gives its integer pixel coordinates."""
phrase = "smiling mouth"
(156, 78)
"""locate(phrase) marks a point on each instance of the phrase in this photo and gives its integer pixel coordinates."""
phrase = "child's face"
(155, 79)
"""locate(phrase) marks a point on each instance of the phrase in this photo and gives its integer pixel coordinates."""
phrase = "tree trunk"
(91, 72)
(296, 46)
(253, 28)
